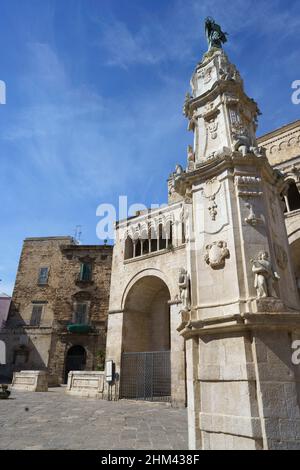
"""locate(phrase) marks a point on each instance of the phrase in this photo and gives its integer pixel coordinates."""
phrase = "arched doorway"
(145, 365)
(75, 360)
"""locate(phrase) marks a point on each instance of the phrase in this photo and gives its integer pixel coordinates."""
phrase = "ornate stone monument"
(243, 389)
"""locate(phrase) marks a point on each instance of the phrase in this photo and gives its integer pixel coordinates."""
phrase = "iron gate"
(146, 376)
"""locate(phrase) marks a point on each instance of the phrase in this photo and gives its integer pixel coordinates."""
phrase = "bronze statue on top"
(214, 34)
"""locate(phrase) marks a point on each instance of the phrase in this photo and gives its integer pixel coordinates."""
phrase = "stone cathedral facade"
(204, 304)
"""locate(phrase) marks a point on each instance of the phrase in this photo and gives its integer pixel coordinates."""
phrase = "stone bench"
(86, 384)
(30, 380)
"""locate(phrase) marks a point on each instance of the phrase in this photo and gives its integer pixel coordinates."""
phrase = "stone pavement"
(54, 420)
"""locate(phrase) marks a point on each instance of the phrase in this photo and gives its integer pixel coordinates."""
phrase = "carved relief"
(210, 191)
(252, 219)
(213, 208)
(206, 74)
(213, 127)
(208, 108)
(216, 254)
(281, 256)
(248, 186)
(228, 71)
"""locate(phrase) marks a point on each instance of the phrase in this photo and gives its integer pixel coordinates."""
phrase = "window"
(43, 276)
(80, 317)
(128, 248)
(293, 197)
(36, 315)
(85, 272)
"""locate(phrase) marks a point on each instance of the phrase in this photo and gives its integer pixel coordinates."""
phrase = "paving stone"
(55, 420)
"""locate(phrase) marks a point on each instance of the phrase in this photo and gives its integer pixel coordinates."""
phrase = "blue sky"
(95, 90)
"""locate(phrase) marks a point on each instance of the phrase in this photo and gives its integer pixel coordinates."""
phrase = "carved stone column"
(242, 386)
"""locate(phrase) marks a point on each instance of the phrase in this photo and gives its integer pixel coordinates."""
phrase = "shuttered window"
(81, 313)
(85, 272)
(36, 315)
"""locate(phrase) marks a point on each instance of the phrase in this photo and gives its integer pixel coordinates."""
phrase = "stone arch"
(282, 146)
(292, 194)
(146, 324)
(143, 273)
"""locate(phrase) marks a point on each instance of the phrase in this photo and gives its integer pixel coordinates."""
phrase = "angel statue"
(184, 289)
(214, 34)
(265, 276)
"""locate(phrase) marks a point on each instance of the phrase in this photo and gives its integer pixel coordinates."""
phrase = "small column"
(286, 200)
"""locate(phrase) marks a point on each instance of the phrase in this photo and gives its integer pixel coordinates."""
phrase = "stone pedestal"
(30, 381)
(86, 384)
(243, 389)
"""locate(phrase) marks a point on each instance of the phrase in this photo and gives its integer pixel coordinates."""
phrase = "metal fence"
(146, 376)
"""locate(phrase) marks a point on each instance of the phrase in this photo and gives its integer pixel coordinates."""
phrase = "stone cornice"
(239, 322)
(218, 89)
(279, 132)
(217, 165)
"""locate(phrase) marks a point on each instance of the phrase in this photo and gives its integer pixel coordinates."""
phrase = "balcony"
(79, 328)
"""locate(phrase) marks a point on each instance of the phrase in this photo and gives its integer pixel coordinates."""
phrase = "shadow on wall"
(17, 351)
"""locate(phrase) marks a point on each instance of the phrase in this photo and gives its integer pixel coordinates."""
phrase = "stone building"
(4, 308)
(58, 315)
(204, 306)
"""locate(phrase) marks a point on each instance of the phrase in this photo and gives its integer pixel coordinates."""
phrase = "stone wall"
(282, 144)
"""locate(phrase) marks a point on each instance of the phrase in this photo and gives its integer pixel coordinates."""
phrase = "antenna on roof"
(77, 234)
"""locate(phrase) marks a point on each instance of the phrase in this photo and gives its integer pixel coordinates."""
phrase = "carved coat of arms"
(216, 253)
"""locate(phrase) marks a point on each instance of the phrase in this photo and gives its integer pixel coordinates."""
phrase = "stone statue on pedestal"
(184, 289)
(265, 276)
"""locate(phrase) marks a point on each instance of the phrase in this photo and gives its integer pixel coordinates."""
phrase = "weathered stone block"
(88, 384)
(30, 380)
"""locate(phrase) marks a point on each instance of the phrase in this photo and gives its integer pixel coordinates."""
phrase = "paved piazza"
(54, 420)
